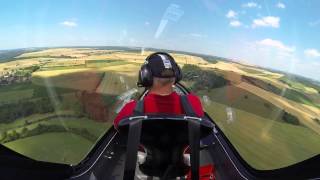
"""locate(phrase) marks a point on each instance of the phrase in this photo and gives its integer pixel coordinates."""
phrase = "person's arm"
(196, 104)
(126, 111)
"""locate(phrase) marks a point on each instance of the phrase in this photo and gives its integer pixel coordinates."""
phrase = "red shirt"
(169, 104)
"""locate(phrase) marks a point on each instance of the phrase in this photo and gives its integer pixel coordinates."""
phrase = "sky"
(282, 35)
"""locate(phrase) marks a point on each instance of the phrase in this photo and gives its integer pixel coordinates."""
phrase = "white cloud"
(312, 53)
(231, 14)
(268, 21)
(276, 44)
(251, 5)
(235, 23)
(147, 23)
(314, 23)
(69, 23)
(281, 5)
(197, 35)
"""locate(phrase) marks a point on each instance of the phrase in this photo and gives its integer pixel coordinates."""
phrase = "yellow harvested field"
(77, 79)
(226, 66)
(310, 90)
(113, 83)
(58, 72)
(129, 56)
(18, 64)
(65, 63)
(127, 69)
(72, 52)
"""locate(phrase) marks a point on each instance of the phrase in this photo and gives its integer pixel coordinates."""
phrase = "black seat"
(165, 145)
(165, 138)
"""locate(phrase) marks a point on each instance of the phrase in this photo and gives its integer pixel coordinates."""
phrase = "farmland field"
(53, 147)
(76, 92)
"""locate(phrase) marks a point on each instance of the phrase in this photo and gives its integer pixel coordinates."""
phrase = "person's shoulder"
(130, 105)
(126, 111)
(193, 97)
(196, 104)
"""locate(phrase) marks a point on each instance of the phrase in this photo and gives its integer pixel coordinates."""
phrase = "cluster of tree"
(261, 84)
(203, 79)
(27, 71)
(7, 137)
(210, 59)
(10, 112)
(317, 120)
(45, 128)
(32, 68)
(289, 118)
(83, 132)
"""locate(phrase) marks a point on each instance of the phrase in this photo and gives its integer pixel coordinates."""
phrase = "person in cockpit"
(159, 73)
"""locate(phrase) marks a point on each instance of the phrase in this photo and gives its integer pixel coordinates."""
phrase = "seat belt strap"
(139, 109)
(194, 143)
(187, 106)
(194, 137)
(133, 142)
(132, 149)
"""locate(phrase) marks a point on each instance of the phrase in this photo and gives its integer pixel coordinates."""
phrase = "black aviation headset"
(145, 74)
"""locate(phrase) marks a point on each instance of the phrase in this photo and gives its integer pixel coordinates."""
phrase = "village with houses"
(18, 75)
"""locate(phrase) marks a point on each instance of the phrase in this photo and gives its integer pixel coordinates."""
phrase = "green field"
(50, 68)
(70, 150)
(103, 63)
(252, 71)
(16, 87)
(21, 121)
(53, 147)
(14, 96)
(15, 92)
(299, 97)
(95, 127)
(240, 99)
(263, 143)
(257, 128)
(300, 83)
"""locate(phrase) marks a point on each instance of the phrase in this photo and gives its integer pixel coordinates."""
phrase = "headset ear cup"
(145, 76)
(139, 83)
(178, 74)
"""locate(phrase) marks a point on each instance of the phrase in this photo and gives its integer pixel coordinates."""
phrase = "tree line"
(203, 79)
(45, 128)
(11, 112)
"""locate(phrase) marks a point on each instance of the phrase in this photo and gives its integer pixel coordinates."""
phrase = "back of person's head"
(159, 68)
(163, 81)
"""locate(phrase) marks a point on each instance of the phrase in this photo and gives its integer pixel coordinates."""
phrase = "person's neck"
(163, 91)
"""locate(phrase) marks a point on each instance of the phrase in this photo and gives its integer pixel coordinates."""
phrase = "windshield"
(68, 67)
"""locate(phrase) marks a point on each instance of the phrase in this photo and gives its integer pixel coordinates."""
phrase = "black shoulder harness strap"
(139, 109)
(194, 137)
(133, 141)
(187, 106)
